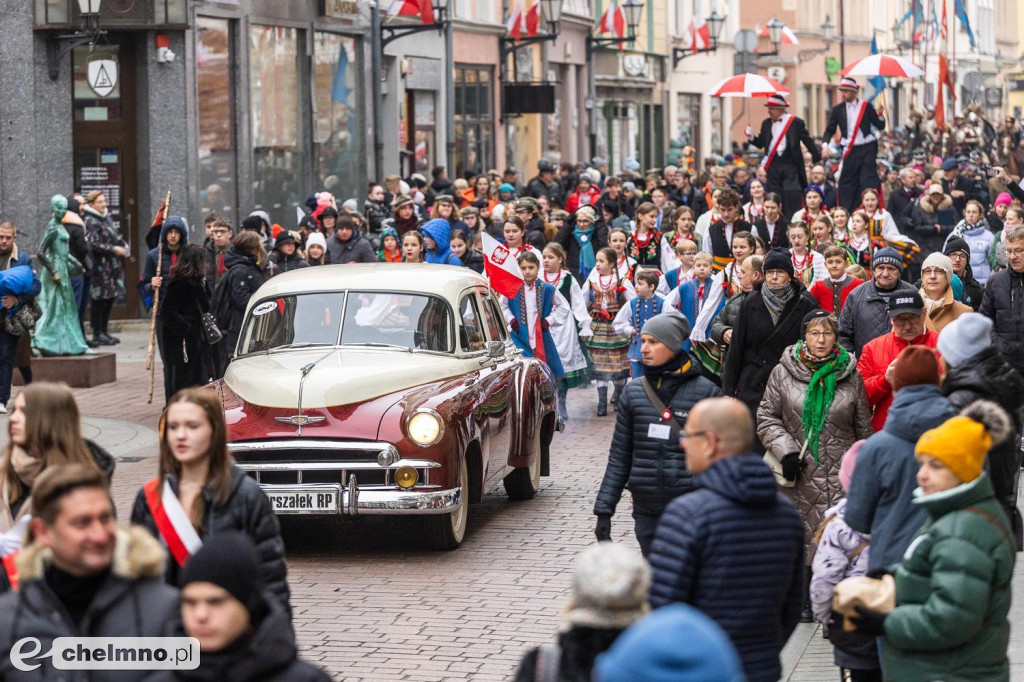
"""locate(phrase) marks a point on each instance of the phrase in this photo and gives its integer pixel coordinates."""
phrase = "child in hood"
(437, 243)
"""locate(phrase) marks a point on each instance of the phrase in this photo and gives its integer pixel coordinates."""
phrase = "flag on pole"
(514, 25)
(915, 12)
(961, 14)
(613, 20)
(945, 80)
(501, 267)
(933, 25)
(699, 34)
(533, 19)
(787, 37)
(412, 7)
(876, 82)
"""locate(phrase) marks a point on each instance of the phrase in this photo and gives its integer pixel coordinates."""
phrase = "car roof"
(447, 281)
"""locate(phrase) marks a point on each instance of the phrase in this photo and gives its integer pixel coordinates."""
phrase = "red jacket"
(875, 358)
(573, 202)
(822, 290)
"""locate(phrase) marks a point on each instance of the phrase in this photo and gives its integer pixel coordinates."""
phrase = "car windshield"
(377, 319)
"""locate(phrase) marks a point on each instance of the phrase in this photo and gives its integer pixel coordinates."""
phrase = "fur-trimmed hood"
(928, 207)
(137, 556)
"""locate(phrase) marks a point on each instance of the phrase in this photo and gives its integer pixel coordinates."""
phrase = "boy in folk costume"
(630, 319)
(686, 251)
(531, 313)
(571, 352)
(831, 293)
(690, 297)
(718, 243)
(606, 291)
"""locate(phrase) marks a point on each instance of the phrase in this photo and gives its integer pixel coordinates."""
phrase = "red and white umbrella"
(884, 65)
(748, 85)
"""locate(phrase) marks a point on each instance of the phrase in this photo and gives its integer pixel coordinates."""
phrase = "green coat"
(953, 592)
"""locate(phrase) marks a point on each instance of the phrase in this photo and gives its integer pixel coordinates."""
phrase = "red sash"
(172, 521)
(767, 160)
(853, 138)
(11, 567)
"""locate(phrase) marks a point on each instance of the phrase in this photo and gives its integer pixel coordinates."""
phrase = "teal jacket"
(953, 592)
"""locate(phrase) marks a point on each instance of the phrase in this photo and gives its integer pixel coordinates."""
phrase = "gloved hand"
(870, 622)
(544, 325)
(603, 529)
(749, 131)
(514, 324)
(791, 466)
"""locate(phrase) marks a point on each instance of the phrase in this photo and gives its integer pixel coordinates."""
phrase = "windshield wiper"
(301, 344)
(377, 344)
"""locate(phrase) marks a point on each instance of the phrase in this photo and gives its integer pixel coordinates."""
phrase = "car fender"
(535, 398)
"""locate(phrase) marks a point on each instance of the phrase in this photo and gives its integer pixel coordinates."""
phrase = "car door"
(490, 411)
(504, 382)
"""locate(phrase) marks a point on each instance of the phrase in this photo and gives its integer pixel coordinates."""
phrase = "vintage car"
(386, 389)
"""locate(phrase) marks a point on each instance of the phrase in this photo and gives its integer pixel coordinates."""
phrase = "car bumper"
(326, 499)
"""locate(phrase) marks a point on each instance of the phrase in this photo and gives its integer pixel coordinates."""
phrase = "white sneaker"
(3, 409)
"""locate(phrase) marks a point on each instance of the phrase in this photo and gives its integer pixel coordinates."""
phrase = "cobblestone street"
(372, 603)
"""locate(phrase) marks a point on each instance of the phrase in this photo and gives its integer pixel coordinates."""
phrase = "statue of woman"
(58, 331)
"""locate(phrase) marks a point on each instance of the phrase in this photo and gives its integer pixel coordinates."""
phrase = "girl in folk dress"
(754, 209)
(606, 292)
(881, 223)
(515, 235)
(575, 360)
(683, 227)
(618, 240)
(813, 200)
(859, 243)
(840, 225)
(808, 266)
(708, 217)
(645, 242)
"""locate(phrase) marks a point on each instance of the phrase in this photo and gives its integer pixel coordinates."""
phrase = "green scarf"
(821, 390)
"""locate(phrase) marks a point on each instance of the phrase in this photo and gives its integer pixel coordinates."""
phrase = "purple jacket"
(831, 560)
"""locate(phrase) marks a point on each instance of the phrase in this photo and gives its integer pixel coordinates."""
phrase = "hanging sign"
(102, 76)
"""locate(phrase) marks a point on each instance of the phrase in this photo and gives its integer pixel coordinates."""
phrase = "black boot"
(619, 385)
(563, 392)
(101, 339)
(110, 340)
(602, 401)
(807, 614)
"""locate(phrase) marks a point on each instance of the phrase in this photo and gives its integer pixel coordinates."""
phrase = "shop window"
(336, 126)
(217, 170)
(474, 119)
(275, 101)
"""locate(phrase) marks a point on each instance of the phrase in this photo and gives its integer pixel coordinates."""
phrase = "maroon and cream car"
(386, 389)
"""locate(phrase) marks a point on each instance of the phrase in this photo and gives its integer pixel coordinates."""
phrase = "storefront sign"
(832, 68)
(423, 74)
(342, 9)
(102, 76)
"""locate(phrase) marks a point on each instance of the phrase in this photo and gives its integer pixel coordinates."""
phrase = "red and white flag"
(533, 19)
(945, 79)
(501, 267)
(787, 37)
(413, 7)
(514, 25)
(613, 20)
(699, 34)
(172, 521)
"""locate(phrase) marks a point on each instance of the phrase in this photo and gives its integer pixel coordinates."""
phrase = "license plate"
(304, 503)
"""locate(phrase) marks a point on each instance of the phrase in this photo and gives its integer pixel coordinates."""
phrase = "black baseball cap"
(905, 302)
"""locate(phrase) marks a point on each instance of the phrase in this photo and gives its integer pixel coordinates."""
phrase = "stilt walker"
(854, 118)
(781, 135)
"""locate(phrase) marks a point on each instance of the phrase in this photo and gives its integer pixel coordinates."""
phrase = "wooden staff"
(150, 363)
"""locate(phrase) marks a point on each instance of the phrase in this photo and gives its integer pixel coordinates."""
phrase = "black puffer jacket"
(1003, 303)
(865, 316)
(241, 280)
(654, 471)
(728, 318)
(579, 647)
(758, 343)
(987, 376)
(268, 655)
(247, 510)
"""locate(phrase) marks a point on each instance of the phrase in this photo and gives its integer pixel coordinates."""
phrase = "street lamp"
(828, 29)
(88, 33)
(828, 34)
(775, 27)
(390, 33)
(632, 9)
(552, 11)
(715, 22)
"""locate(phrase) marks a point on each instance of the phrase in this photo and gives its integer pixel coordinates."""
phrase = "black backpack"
(220, 303)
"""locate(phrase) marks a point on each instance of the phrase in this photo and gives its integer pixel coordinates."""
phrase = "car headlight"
(424, 428)
(406, 477)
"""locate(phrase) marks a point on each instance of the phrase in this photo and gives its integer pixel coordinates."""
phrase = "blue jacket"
(734, 548)
(21, 258)
(173, 222)
(440, 231)
(881, 495)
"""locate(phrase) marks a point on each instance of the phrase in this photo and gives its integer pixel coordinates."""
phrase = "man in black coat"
(770, 321)
(645, 452)
(901, 200)
(526, 210)
(683, 193)
(544, 184)
(1003, 302)
(959, 251)
(860, 149)
(734, 548)
(781, 136)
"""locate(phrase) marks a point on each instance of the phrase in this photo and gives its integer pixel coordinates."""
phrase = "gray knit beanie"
(670, 328)
(609, 587)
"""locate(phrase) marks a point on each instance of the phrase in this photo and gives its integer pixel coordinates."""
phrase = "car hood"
(342, 377)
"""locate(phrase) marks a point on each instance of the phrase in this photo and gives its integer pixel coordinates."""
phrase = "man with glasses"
(864, 314)
(959, 251)
(216, 250)
(733, 548)
(878, 358)
(645, 453)
(1003, 302)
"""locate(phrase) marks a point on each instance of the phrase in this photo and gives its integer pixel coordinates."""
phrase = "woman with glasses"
(814, 408)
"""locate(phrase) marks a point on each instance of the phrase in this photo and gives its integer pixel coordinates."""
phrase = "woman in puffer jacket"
(209, 489)
(814, 408)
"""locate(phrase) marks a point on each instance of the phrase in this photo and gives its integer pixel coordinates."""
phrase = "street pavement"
(371, 602)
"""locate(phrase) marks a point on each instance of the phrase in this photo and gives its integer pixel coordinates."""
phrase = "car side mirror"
(495, 349)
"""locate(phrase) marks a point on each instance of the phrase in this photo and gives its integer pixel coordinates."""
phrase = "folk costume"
(625, 268)
(630, 321)
(831, 294)
(809, 268)
(783, 161)
(773, 234)
(719, 242)
(605, 296)
(860, 149)
(701, 344)
(576, 362)
(672, 279)
(531, 314)
(645, 249)
(668, 248)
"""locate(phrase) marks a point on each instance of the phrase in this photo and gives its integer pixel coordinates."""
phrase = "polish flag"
(787, 38)
(412, 7)
(613, 20)
(501, 267)
(699, 33)
(533, 19)
(944, 80)
(514, 25)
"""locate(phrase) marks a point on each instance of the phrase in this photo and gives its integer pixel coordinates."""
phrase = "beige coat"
(947, 311)
(780, 428)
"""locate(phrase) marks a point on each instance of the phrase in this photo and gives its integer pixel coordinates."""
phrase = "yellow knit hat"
(960, 443)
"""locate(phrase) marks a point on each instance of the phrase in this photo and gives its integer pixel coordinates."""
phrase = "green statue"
(58, 331)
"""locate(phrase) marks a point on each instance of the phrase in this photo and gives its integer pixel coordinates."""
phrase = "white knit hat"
(964, 337)
(315, 238)
(938, 260)
(609, 587)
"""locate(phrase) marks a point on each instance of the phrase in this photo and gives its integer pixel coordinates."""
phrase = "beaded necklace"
(558, 277)
(802, 265)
